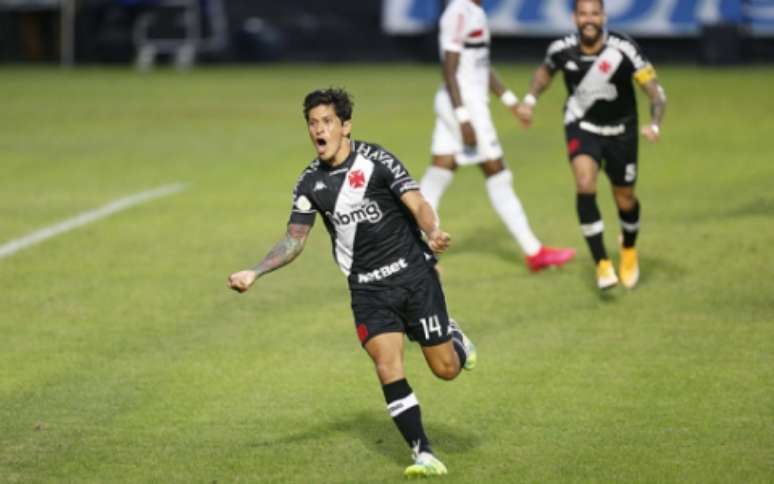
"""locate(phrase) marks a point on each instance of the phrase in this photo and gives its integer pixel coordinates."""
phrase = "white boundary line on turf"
(84, 218)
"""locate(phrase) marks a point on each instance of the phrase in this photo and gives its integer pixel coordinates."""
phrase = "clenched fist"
(242, 280)
(438, 240)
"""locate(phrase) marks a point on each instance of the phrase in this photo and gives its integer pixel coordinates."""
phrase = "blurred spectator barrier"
(666, 18)
(181, 29)
(30, 28)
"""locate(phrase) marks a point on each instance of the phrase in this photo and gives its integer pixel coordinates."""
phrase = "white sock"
(434, 183)
(508, 207)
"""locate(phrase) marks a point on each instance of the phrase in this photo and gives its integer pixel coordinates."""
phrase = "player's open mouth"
(321, 145)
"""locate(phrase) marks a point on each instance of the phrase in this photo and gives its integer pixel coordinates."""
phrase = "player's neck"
(342, 154)
(591, 49)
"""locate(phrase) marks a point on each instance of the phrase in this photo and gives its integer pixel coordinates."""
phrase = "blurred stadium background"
(124, 358)
(221, 31)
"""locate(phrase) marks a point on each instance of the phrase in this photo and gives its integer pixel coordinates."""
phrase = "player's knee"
(625, 201)
(492, 167)
(444, 161)
(446, 370)
(585, 184)
(389, 371)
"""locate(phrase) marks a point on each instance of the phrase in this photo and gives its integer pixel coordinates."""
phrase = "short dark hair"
(339, 98)
(575, 4)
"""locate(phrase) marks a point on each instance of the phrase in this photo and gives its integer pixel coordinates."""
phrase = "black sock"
(630, 224)
(459, 347)
(591, 224)
(405, 412)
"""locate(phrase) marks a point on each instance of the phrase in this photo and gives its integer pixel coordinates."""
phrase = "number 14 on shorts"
(431, 325)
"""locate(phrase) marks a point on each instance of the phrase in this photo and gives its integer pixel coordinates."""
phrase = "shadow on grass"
(377, 432)
(757, 207)
(760, 206)
(492, 240)
(653, 269)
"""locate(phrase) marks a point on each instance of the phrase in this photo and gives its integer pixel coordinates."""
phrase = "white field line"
(10, 248)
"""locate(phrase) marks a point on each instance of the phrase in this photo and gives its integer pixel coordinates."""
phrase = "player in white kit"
(464, 133)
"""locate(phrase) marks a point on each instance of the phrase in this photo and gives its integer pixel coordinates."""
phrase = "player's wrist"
(530, 100)
(509, 99)
(462, 114)
(655, 128)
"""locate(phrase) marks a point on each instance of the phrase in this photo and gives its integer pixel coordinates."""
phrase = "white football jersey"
(464, 29)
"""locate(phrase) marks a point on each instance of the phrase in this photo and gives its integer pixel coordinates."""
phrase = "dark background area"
(303, 30)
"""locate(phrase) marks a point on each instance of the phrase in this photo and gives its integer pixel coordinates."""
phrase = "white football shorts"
(447, 138)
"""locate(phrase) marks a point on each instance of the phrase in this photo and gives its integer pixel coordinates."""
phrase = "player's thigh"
(620, 154)
(585, 169)
(374, 313)
(585, 154)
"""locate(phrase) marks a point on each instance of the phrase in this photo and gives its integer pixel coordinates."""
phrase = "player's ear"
(347, 127)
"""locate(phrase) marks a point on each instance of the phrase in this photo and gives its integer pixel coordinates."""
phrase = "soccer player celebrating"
(600, 119)
(376, 216)
(464, 132)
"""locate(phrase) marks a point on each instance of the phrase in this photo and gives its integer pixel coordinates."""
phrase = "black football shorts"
(417, 308)
(617, 155)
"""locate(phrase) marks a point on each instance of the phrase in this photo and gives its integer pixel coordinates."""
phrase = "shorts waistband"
(603, 130)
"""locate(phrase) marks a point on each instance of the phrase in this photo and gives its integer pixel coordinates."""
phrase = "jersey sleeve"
(551, 60)
(453, 30)
(396, 176)
(642, 69)
(303, 211)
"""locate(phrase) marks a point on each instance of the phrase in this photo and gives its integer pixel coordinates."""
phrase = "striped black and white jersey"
(375, 238)
(600, 89)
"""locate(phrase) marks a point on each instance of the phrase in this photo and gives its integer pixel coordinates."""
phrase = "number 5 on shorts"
(431, 325)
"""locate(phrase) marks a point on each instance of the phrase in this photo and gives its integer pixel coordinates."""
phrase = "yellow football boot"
(629, 268)
(606, 277)
(425, 465)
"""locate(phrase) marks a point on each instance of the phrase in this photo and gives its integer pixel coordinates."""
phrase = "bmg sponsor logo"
(366, 211)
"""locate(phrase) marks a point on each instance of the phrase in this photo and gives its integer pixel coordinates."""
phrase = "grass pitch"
(124, 358)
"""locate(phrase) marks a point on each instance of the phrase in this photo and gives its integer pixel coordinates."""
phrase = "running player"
(464, 132)
(600, 121)
(376, 216)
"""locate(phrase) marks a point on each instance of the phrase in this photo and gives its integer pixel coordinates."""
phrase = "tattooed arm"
(657, 108)
(280, 255)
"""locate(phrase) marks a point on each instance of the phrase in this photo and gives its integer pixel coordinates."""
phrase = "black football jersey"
(599, 86)
(375, 238)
